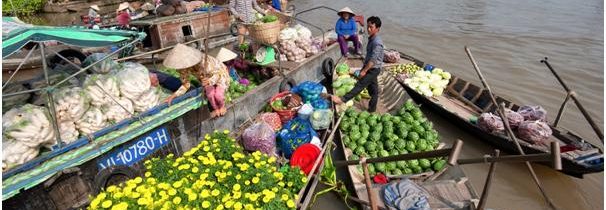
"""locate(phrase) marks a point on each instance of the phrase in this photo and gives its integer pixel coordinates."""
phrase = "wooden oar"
(510, 133)
(571, 94)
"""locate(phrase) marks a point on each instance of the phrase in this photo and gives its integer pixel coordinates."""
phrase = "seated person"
(164, 80)
(347, 29)
(123, 17)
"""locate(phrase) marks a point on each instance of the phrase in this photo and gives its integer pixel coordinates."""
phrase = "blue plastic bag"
(308, 90)
(295, 133)
(320, 103)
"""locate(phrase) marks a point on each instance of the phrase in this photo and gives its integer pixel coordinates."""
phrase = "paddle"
(501, 112)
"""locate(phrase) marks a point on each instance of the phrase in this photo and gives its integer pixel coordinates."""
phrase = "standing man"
(243, 10)
(93, 13)
(373, 62)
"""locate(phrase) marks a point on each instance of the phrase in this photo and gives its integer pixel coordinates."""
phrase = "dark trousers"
(370, 82)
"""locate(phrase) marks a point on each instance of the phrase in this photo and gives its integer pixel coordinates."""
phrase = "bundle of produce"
(303, 32)
(101, 88)
(116, 111)
(305, 44)
(391, 56)
(216, 174)
(490, 123)
(272, 119)
(102, 67)
(237, 89)
(29, 125)
(14, 100)
(92, 121)
(147, 100)
(286, 105)
(535, 132)
(15, 153)
(288, 34)
(40, 98)
(292, 52)
(320, 119)
(295, 132)
(342, 69)
(68, 131)
(343, 84)
(533, 113)
(514, 118)
(260, 137)
(409, 68)
(374, 135)
(133, 80)
(310, 91)
(427, 83)
(71, 103)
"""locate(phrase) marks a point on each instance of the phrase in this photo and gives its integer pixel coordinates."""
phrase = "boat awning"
(16, 34)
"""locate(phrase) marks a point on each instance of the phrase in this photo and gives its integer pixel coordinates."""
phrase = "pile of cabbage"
(430, 84)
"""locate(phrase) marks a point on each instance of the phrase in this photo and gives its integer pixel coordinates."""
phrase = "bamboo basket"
(266, 33)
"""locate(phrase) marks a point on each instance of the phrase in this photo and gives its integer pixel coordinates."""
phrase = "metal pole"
(49, 95)
(94, 63)
(488, 182)
(19, 67)
(510, 133)
(561, 111)
(572, 94)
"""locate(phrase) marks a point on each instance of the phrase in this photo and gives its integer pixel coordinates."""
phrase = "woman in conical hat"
(347, 30)
(214, 77)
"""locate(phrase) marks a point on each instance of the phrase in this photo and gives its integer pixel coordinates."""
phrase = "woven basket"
(266, 33)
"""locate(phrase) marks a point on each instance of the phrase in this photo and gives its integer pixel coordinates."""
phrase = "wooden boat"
(447, 189)
(64, 177)
(463, 100)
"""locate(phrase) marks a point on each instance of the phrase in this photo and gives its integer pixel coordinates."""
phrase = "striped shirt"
(244, 9)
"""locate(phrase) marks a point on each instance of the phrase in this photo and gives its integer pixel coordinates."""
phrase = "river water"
(507, 38)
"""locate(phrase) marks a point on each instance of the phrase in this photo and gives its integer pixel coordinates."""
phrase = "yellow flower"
(237, 195)
(237, 205)
(266, 199)
(138, 180)
(118, 195)
(229, 204)
(255, 180)
(205, 204)
(135, 195)
(142, 201)
(304, 179)
(247, 182)
(289, 184)
(220, 207)
(215, 192)
(106, 204)
(281, 184)
(205, 193)
(177, 200)
(195, 170)
(177, 184)
(192, 197)
(284, 197)
(271, 160)
(120, 206)
(95, 203)
(226, 132)
(148, 174)
(172, 192)
(253, 197)
(290, 204)
(163, 186)
(238, 177)
(206, 148)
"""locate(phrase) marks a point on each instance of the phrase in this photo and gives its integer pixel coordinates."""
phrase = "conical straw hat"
(95, 7)
(147, 7)
(346, 9)
(123, 6)
(182, 57)
(226, 55)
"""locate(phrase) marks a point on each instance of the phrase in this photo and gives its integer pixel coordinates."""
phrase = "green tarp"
(16, 34)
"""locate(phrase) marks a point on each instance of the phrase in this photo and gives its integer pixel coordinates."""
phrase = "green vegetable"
(410, 146)
(380, 167)
(371, 146)
(360, 150)
(269, 18)
(424, 163)
(439, 165)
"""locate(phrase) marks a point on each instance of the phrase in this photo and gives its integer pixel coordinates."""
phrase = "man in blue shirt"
(347, 29)
(373, 62)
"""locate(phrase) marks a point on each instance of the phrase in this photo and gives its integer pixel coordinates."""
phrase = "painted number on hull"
(137, 150)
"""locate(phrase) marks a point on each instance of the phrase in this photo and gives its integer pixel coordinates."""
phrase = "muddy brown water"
(507, 38)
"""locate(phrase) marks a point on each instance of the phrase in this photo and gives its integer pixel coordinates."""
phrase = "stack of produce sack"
(24, 130)
(428, 83)
(529, 123)
(296, 43)
(103, 99)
